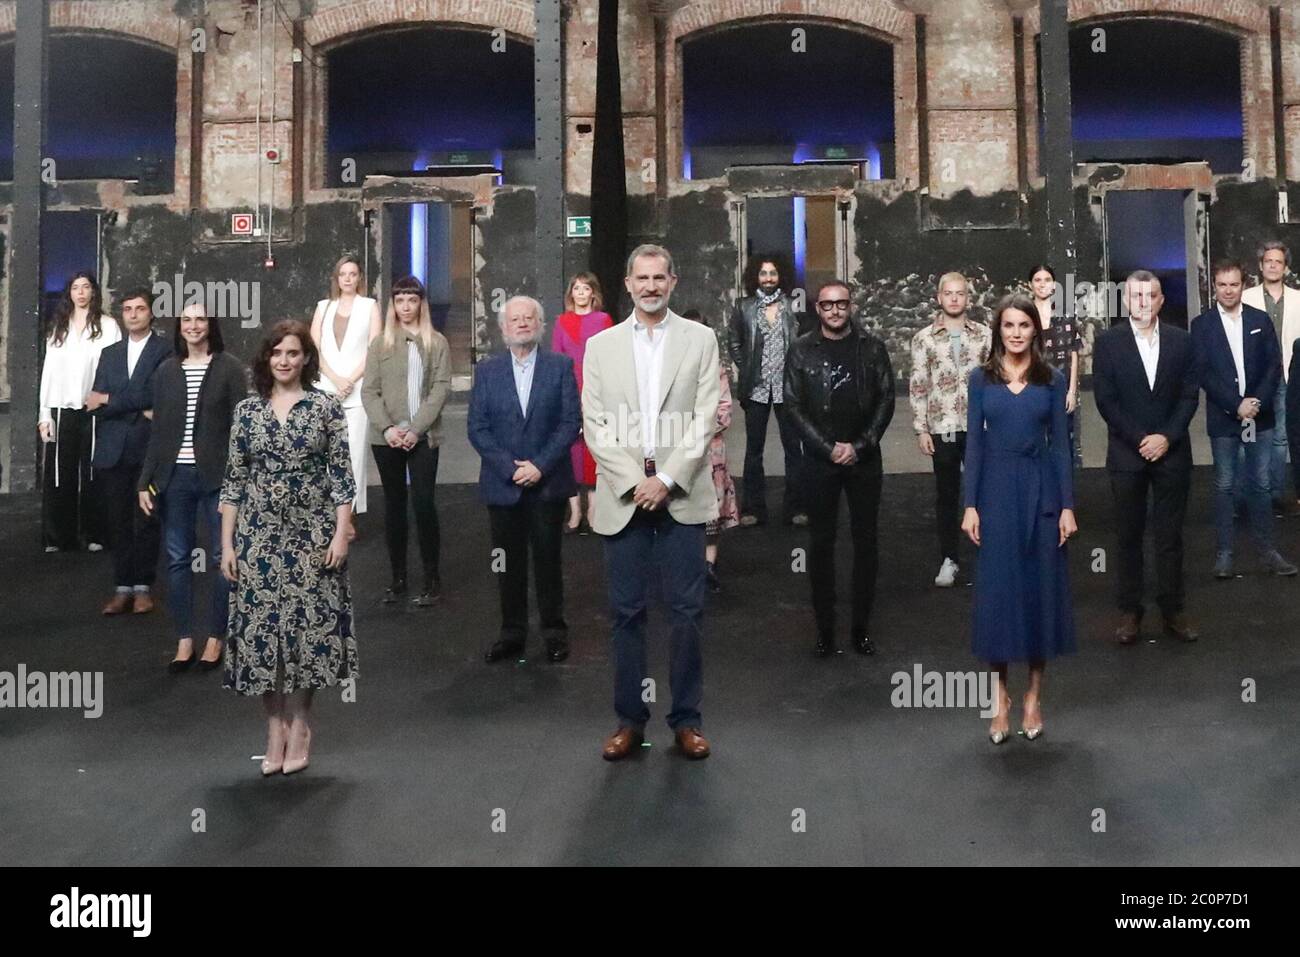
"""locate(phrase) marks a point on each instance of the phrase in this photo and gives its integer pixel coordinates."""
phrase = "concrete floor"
(438, 746)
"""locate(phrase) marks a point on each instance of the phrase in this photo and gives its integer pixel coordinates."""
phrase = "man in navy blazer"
(122, 403)
(1238, 364)
(1144, 381)
(524, 415)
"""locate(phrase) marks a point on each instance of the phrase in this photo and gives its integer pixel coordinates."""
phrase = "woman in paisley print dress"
(285, 523)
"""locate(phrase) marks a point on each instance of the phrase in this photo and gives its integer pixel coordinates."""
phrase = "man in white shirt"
(1239, 364)
(649, 402)
(1282, 303)
(1146, 390)
(122, 403)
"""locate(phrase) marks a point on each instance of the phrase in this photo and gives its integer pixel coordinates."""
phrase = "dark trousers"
(755, 501)
(537, 525)
(1169, 488)
(861, 485)
(70, 501)
(421, 463)
(133, 535)
(650, 540)
(949, 454)
(183, 501)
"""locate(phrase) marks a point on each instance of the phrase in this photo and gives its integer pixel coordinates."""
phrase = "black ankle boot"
(395, 591)
(431, 594)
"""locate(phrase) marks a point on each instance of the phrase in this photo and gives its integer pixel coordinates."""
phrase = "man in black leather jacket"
(762, 330)
(839, 387)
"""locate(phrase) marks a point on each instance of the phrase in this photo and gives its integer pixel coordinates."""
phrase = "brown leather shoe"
(1130, 625)
(142, 603)
(621, 743)
(1177, 626)
(118, 604)
(692, 743)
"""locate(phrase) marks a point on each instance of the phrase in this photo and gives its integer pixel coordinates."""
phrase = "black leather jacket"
(808, 399)
(745, 341)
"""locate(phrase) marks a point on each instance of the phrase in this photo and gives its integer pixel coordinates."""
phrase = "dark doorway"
(802, 228)
(1147, 229)
(70, 244)
(433, 243)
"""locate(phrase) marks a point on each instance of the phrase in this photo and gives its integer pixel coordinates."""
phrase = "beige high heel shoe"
(294, 765)
(1028, 733)
(997, 737)
(276, 745)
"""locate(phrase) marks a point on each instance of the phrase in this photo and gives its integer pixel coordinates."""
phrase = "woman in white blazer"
(342, 328)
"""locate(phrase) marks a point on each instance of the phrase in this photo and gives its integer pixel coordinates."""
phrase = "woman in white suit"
(342, 328)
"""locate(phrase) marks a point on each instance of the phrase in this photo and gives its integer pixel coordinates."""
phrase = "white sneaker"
(94, 547)
(947, 576)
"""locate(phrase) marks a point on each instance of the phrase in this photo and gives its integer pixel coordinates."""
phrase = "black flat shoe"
(395, 591)
(209, 665)
(430, 596)
(825, 646)
(863, 646)
(557, 651)
(504, 649)
(178, 665)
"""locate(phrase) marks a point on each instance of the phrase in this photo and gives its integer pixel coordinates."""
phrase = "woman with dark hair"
(194, 397)
(407, 381)
(1019, 509)
(284, 541)
(1062, 346)
(582, 319)
(79, 332)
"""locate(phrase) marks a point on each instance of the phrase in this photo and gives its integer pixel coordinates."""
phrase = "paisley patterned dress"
(290, 624)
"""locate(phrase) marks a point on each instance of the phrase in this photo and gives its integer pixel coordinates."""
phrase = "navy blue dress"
(1018, 478)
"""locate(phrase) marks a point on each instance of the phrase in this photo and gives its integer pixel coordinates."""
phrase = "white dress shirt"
(134, 349)
(1148, 349)
(69, 369)
(1232, 328)
(648, 345)
(524, 376)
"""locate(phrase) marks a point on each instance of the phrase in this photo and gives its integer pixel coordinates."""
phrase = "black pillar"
(608, 169)
(548, 108)
(1058, 144)
(33, 27)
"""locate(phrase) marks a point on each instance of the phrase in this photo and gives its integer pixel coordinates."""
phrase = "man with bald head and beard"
(523, 417)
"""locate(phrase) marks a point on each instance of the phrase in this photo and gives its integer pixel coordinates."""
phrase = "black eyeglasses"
(829, 304)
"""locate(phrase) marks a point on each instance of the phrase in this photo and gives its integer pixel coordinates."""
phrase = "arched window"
(111, 109)
(404, 100)
(786, 93)
(1155, 91)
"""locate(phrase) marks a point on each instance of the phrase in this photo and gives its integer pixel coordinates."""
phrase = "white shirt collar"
(526, 361)
(1234, 316)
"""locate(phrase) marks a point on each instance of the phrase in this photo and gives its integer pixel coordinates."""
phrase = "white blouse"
(356, 340)
(69, 370)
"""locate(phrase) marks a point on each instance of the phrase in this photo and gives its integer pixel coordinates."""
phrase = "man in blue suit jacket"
(1239, 363)
(523, 417)
(122, 403)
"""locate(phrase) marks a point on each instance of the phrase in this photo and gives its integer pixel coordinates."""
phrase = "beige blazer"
(383, 390)
(688, 408)
(1254, 296)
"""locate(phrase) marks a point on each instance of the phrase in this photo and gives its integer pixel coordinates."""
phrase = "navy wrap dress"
(1018, 476)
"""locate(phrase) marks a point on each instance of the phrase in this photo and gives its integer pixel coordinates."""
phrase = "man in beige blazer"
(1282, 303)
(649, 401)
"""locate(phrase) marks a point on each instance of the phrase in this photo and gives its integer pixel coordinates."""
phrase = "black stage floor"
(438, 744)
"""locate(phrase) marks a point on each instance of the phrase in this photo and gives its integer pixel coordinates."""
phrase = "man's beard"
(654, 304)
(518, 342)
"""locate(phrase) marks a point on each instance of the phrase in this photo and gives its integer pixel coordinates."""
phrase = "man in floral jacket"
(943, 355)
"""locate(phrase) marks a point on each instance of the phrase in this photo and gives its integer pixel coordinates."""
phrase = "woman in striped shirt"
(195, 394)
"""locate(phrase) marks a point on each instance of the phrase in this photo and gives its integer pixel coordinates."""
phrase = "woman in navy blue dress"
(1019, 509)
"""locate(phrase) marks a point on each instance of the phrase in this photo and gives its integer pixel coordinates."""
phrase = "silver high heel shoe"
(1031, 734)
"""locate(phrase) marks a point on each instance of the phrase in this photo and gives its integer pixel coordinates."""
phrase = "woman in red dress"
(581, 320)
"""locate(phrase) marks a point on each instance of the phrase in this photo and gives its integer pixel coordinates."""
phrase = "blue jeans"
(182, 501)
(1232, 458)
(1277, 467)
(631, 556)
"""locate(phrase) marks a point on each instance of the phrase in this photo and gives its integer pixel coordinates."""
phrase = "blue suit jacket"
(121, 430)
(502, 433)
(1217, 373)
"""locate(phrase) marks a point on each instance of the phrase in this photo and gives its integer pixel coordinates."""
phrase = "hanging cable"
(259, 114)
(270, 206)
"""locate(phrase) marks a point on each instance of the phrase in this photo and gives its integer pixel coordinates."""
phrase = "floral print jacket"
(937, 389)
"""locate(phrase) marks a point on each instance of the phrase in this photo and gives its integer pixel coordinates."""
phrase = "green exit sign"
(458, 159)
(837, 152)
(578, 227)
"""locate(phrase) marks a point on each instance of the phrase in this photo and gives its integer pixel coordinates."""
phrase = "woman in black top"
(1062, 345)
(195, 394)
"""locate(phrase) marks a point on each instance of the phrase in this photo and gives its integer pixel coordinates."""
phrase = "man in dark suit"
(1146, 390)
(523, 417)
(122, 403)
(1238, 364)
